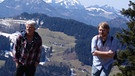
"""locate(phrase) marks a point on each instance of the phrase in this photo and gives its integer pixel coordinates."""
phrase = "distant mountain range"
(69, 9)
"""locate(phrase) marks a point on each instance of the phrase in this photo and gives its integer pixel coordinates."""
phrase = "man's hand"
(16, 64)
(110, 53)
(36, 64)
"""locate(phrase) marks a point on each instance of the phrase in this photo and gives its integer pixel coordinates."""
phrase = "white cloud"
(1, 1)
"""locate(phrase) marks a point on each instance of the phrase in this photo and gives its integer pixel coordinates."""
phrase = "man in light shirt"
(103, 47)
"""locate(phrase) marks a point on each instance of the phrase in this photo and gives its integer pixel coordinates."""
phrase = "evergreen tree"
(126, 58)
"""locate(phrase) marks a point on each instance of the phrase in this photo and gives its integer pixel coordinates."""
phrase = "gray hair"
(31, 22)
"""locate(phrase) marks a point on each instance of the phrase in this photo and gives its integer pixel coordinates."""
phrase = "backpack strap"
(111, 39)
(97, 41)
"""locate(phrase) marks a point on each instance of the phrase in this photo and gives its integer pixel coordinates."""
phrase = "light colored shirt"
(96, 43)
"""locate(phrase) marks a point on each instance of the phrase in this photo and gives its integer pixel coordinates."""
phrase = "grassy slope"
(2, 62)
(68, 42)
(56, 39)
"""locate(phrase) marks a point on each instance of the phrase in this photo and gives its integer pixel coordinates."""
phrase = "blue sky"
(118, 4)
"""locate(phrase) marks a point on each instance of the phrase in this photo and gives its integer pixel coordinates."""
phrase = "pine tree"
(126, 58)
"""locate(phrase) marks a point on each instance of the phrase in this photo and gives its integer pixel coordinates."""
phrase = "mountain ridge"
(69, 4)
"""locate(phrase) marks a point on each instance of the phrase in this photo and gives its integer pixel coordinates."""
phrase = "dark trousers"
(27, 70)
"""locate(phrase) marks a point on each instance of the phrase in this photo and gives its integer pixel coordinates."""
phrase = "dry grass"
(58, 40)
(58, 56)
(2, 62)
(114, 70)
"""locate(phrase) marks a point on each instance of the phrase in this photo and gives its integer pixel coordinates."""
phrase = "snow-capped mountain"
(69, 4)
(106, 11)
(69, 9)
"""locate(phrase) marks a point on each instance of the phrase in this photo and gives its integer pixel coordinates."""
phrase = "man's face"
(30, 29)
(103, 32)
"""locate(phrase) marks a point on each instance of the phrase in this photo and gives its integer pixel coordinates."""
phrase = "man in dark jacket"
(27, 50)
